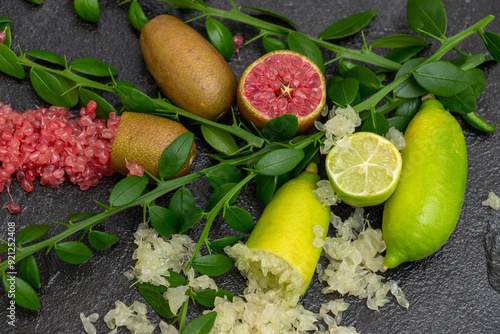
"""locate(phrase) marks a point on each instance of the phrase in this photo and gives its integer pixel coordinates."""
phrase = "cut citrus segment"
(282, 82)
(364, 169)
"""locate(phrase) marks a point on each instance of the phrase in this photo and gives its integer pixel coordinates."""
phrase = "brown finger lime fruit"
(142, 138)
(187, 68)
(282, 82)
(424, 209)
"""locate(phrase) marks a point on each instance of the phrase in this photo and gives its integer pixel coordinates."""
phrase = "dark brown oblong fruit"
(189, 71)
(142, 138)
(280, 82)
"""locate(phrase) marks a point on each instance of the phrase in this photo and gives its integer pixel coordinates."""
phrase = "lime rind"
(365, 171)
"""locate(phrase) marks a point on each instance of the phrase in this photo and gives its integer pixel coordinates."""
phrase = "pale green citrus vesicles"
(423, 211)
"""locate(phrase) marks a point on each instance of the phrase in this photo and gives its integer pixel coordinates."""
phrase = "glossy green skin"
(424, 209)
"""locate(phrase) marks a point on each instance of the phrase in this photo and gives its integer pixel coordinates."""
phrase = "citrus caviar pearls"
(53, 144)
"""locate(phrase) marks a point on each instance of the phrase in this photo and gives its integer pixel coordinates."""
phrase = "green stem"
(182, 318)
(273, 29)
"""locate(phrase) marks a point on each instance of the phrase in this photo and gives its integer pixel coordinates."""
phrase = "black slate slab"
(456, 290)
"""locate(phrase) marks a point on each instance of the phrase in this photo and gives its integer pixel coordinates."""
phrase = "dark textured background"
(453, 291)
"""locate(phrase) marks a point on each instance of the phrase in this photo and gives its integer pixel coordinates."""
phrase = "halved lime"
(364, 169)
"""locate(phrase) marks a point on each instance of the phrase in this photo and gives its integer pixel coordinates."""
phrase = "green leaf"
(224, 174)
(176, 154)
(102, 240)
(345, 66)
(103, 107)
(207, 297)
(80, 215)
(190, 219)
(88, 9)
(266, 186)
(404, 113)
(272, 44)
(36, 2)
(219, 140)
(21, 292)
(219, 193)
(239, 219)
(28, 271)
(303, 44)
(469, 62)
(4, 22)
(163, 221)
(399, 41)
(309, 154)
(93, 67)
(135, 100)
(410, 88)
(157, 301)
(73, 252)
(349, 25)
(376, 123)
(128, 190)
(32, 232)
(344, 92)
(272, 13)
(219, 244)
(492, 43)
(279, 161)
(427, 17)
(201, 325)
(53, 88)
(136, 16)
(281, 128)
(478, 80)
(9, 64)
(369, 82)
(182, 201)
(400, 55)
(175, 279)
(462, 103)
(442, 78)
(213, 264)
(47, 56)
(220, 37)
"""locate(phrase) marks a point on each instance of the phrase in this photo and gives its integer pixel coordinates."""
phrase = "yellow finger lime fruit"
(423, 211)
(364, 169)
(284, 247)
(142, 138)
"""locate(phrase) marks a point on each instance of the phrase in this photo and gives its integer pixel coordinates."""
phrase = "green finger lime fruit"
(284, 248)
(424, 209)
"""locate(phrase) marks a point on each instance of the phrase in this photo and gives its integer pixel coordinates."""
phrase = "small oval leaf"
(163, 221)
(102, 240)
(427, 17)
(219, 193)
(207, 297)
(176, 154)
(220, 140)
(281, 128)
(304, 45)
(103, 107)
(128, 190)
(87, 9)
(492, 43)
(28, 271)
(462, 103)
(224, 174)
(399, 41)
(32, 232)
(134, 100)
(272, 13)
(73, 252)
(201, 325)
(157, 302)
(344, 92)
(47, 56)
(182, 201)
(400, 55)
(220, 37)
(93, 67)
(52, 88)
(266, 186)
(9, 64)
(190, 219)
(219, 244)
(369, 83)
(279, 161)
(272, 44)
(442, 78)
(239, 219)
(349, 25)
(136, 16)
(21, 292)
(213, 264)
(376, 123)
